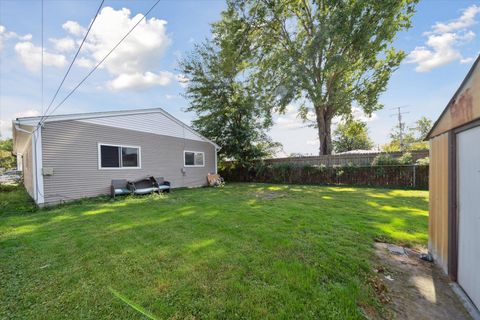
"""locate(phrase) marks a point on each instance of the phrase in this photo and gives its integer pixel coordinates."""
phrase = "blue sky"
(143, 72)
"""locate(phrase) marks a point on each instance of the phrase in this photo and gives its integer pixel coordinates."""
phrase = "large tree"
(328, 54)
(351, 135)
(229, 110)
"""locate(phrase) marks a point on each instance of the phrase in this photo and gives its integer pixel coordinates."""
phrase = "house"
(454, 221)
(73, 156)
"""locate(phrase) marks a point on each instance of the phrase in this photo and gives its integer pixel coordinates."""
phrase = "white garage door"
(468, 195)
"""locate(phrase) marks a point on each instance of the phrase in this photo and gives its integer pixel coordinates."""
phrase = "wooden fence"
(397, 176)
(356, 159)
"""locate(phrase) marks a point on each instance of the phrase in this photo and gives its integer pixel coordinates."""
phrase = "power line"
(101, 61)
(73, 61)
(42, 58)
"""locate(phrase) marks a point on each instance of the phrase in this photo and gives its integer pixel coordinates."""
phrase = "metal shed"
(454, 221)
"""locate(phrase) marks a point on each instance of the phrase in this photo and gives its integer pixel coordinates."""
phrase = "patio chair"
(161, 184)
(120, 187)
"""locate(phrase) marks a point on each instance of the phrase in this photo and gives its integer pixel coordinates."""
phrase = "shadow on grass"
(249, 250)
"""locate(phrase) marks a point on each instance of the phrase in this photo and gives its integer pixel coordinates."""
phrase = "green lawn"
(243, 251)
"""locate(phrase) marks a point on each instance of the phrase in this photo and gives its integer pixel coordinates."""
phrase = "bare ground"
(414, 289)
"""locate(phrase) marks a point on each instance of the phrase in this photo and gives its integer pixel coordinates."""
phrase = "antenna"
(401, 125)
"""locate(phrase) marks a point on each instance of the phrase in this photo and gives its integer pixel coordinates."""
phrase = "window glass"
(129, 157)
(199, 159)
(110, 157)
(189, 158)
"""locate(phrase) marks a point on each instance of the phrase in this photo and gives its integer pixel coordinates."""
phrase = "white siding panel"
(70, 149)
(156, 123)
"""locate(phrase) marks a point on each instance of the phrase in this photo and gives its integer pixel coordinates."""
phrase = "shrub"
(384, 160)
(423, 161)
(406, 158)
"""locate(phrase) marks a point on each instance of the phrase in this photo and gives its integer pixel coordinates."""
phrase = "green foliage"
(325, 54)
(412, 138)
(384, 160)
(422, 127)
(423, 161)
(229, 110)
(7, 160)
(351, 135)
(406, 158)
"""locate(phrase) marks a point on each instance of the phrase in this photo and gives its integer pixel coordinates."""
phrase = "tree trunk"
(324, 123)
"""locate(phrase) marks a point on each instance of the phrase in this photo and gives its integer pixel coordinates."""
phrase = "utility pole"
(401, 125)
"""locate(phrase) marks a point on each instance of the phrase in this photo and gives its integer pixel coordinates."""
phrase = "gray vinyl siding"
(27, 169)
(70, 148)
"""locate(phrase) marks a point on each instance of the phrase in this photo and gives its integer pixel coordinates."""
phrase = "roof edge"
(454, 97)
(34, 121)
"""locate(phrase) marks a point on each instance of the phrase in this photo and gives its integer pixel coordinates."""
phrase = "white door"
(468, 197)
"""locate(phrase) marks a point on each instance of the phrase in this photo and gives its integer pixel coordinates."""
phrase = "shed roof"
(463, 107)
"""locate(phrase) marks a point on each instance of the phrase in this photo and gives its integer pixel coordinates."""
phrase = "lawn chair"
(120, 187)
(161, 184)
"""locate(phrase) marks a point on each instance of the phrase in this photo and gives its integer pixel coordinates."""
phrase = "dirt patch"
(416, 289)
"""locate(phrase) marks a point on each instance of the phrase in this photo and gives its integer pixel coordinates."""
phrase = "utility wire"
(103, 59)
(71, 64)
(42, 87)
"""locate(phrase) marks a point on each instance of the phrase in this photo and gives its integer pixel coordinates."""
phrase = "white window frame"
(100, 144)
(194, 165)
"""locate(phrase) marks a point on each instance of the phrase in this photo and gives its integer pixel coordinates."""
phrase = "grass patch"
(243, 251)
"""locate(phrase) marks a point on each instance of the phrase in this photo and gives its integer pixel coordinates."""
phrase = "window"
(118, 157)
(193, 158)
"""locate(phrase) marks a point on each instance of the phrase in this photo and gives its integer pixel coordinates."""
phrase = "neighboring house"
(454, 222)
(77, 155)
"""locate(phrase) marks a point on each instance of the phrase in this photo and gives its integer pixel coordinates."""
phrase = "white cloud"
(140, 80)
(170, 96)
(467, 60)
(135, 63)
(443, 41)
(31, 56)
(63, 44)
(74, 28)
(291, 120)
(358, 114)
(84, 62)
(6, 35)
(182, 80)
(467, 19)
(6, 125)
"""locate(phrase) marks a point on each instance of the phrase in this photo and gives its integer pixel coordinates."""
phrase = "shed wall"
(70, 148)
(438, 202)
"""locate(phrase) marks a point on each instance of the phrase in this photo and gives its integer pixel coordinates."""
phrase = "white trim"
(194, 153)
(216, 170)
(99, 156)
(37, 166)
